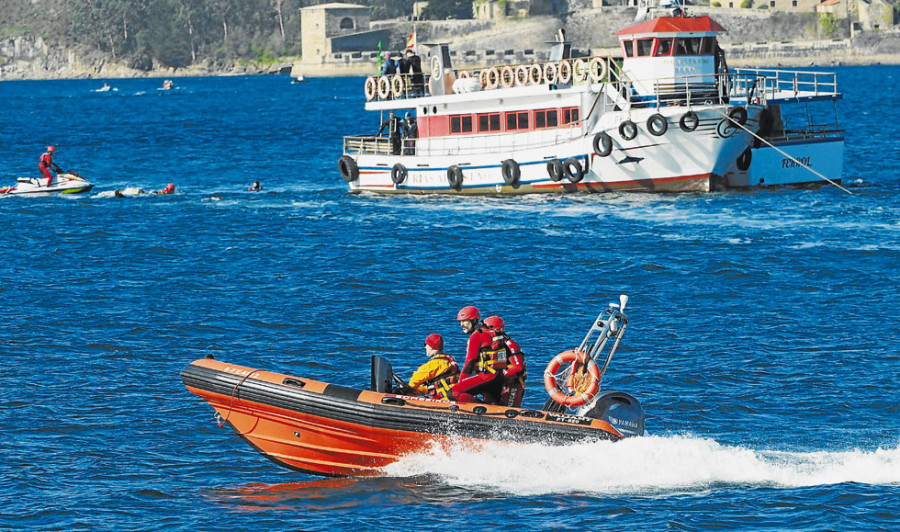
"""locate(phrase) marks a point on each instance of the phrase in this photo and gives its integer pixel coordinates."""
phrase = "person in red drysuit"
(170, 189)
(514, 375)
(46, 164)
(482, 372)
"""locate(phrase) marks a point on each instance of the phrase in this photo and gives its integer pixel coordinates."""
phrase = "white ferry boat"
(799, 141)
(667, 117)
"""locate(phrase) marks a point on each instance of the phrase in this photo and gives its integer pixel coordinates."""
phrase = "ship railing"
(695, 89)
(567, 72)
(368, 144)
(795, 83)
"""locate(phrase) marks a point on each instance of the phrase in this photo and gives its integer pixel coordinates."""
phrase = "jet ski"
(65, 183)
(331, 430)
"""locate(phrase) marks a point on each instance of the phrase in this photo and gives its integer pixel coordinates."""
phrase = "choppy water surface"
(762, 337)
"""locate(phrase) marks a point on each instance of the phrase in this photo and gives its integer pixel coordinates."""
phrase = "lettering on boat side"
(409, 398)
(623, 423)
(790, 163)
(572, 420)
(236, 371)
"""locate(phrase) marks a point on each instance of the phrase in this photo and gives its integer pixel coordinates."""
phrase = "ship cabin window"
(644, 47)
(461, 124)
(517, 120)
(570, 116)
(627, 48)
(489, 122)
(545, 118)
(709, 46)
(688, 46)
(663, 47)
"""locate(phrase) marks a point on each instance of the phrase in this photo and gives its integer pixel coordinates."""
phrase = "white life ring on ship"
(483, 78)
(436, 67)
(371, 88)
(550, 72)
(584, 390)
(521, 76)
(580, 71)
(464, 74)
(535, 74)
(493, 78)
(565, 72)
(397, 85)
(597, 69)
(384, 87)
(507, 77)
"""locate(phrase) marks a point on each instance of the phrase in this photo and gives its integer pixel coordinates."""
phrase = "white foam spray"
(645, 465)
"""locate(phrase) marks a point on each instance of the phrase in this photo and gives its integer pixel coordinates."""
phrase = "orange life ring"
(371, 87)
(535, 74)
(581, 397)
(384, 87)
(507, 77)
(550, 72)
(521, 76)
(565, 72)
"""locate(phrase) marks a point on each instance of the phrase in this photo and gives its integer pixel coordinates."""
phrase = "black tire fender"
(455, 177)
(398, 174)
(738, 115)
(348, 168)
(556, 170)
(603, 145)
(744, 160)
(511, 172)
(657, 125)
(689, 121)
(628, 130)
(574, 171)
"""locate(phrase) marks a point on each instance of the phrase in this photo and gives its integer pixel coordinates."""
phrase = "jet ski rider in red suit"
(46, 164)
(481, 372)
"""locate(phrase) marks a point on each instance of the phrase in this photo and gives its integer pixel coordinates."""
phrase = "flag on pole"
(411, 41)
(380, 61)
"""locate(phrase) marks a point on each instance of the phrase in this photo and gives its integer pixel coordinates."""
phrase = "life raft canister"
(585, 380)
(348, 168)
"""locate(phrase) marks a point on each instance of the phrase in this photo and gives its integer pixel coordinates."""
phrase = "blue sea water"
(762, 337)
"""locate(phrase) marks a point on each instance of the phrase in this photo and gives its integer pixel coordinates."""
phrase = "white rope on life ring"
(371, 87)
(384, 87)
(582, 393)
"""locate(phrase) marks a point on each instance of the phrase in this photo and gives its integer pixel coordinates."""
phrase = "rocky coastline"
(752, 39)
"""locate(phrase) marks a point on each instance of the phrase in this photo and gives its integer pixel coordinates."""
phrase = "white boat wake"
(651, 464)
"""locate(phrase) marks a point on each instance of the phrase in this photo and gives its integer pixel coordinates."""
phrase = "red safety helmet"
(435, 341)
(468, 313)
(494, 322)
(51, 149)
(170, 187)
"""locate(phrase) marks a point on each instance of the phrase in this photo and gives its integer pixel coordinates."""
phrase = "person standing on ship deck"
(395, 130)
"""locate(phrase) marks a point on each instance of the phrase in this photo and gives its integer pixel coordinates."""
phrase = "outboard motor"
(382, 375)
(619, 409)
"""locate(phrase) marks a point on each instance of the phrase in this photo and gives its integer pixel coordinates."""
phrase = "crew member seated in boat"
(46, 164)
(170, 189)
(514, 375)
(411, 133)
(482, 372)
(436, 377)
(395, 130)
